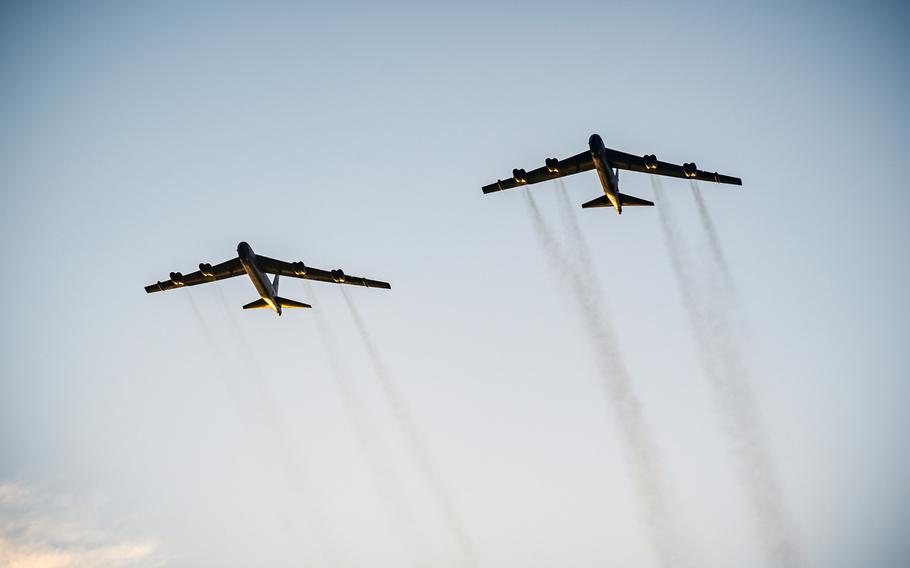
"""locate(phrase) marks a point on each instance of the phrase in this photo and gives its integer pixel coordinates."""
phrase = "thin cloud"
(40, 532)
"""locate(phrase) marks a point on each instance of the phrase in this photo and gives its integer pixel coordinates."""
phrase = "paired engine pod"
(520, 176)
(176, 278)
(299, 268)
(650, 162)
(206, 270)
(552, 165)
(338, 276)
(690, 170)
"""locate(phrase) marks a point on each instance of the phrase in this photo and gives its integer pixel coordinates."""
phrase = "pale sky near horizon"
(175, 429)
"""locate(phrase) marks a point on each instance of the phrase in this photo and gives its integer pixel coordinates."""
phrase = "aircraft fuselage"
(266, 291)
(608, 179)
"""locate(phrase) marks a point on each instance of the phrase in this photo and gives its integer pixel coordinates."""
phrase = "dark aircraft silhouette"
(256, 266)
(607, 162)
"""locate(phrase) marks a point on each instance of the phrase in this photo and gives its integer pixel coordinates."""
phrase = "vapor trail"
(421, 454)
(292, 464)
(221, 365)
(664, 532)
(708, 227)
(570, 220)
(710, 308)
(387, 484)
(200, 321)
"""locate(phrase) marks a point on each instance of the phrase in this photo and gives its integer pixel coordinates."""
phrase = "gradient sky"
(141, 138)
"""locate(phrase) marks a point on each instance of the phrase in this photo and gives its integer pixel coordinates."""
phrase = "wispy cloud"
(39, 531)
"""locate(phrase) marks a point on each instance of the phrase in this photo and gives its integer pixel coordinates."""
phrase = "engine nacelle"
(650, 162)
(206, 270)
(552, 165)
(690, 170)
(338, 276)
(176, 278)
(520, 176)
(299, 268)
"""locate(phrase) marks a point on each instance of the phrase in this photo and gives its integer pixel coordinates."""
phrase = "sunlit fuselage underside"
(608, 179)
(266, 291)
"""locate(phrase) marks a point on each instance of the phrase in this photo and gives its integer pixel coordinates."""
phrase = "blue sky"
(144, 138)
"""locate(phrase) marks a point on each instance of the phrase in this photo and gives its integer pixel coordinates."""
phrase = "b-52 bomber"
(607, 162)
(256, 267)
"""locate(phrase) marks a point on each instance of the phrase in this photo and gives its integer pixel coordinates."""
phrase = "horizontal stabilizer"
(632, 201)
(285, 303)
(602, 201)
(259, 304)
(626, 200)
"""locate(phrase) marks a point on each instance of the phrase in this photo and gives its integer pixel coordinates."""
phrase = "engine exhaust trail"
(200, 321)
(320, 548)
(570, 220)
(663, 530)
(219, 359)
(707, 224)
(711, 310)
(418, 447)
(388, 486)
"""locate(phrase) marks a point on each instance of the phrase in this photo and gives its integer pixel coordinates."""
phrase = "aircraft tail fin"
(285, 303)
(259, 304)
(626, 200)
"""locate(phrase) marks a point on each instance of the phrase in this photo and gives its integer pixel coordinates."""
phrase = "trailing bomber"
(257, 267)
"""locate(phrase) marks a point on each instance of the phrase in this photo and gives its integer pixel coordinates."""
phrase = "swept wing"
(299, 270)
(206, 273)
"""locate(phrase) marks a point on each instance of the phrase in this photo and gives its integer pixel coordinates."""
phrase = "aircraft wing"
(554, 169)
(650, 165)
(227, 269)
(299, 270)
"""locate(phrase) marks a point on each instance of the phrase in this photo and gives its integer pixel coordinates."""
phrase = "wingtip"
(492, 188)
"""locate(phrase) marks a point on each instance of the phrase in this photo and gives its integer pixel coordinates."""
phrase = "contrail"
(387, 484)
(710, 309)
(220, 358)
(296, 475)
(664, 532)
(569, 218)
(200, 321)
(418, 448)
(708, 227)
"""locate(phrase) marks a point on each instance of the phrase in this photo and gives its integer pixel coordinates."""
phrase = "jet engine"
(690, 170)
(299, 268)
(206, 270)
(552, 165)
(520, 176)
(338, 276)
(650, 162)
(177, 278)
